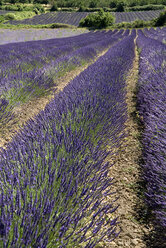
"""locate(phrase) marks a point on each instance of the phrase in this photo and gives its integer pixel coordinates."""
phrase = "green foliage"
(81, 9)
(14, 1)
(2, 18)
(93, 4)
(1, 2)
(106, 9)
(38, 9)
(54, 7)
(10, 16)
(97, 20)
(135, 24)
(161, 20)
(20, 7)
(41, 1)
(113, 4)
(145, 7)
(120, 7)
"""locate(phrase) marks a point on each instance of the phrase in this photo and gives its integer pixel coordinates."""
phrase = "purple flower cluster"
(53, 179)
(22, 64)
(30, 69)
(20, 35)
(152, 108)
(157, 34)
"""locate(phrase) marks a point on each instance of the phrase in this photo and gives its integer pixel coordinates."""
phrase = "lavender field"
(20, 35)
(73, 18)
(56, 186)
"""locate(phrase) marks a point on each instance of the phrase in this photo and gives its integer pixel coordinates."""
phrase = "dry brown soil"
(126, 172)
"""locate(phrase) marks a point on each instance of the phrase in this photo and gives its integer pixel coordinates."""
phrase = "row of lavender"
(152, 108)
(157, 34)
(28, 69)
(20, 35)
(53, 179)
(73, 18)
(20, 59)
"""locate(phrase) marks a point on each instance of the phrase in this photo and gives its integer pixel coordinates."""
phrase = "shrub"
(38, 8)
(11, 7)
(113, 4)
(2, 18)
(134, 24)
(92, 9)
(10, 16)
(120, 7)
(106, 9)
(93, 4)
(54, 7)
(81, 9)
(20, 7)
(98, 20)
(1, 2)
(68, 9)
(145, 7)
(161, 20)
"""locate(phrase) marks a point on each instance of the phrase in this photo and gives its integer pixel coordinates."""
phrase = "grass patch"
(25, 26)
(22, 15)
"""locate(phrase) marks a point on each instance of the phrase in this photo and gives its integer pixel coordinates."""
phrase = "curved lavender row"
(13, 36)
(132, 16)
(5, 112)
(158, 34)
(23, 57)
(53, 180)
(43, 48)
(73, 18)
(36, 77)
(152, 105)
(24, 86)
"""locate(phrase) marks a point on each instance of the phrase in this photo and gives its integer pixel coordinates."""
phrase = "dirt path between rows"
(126, 172)
(29, 110)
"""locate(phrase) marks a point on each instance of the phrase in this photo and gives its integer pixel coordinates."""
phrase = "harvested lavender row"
(53, 177)
(152, 106)
(158, 34)
(11, 36)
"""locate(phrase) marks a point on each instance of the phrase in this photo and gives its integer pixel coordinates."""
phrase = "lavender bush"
(53, 179)
(151, 106)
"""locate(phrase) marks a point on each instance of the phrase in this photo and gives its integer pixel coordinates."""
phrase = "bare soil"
(126, 172)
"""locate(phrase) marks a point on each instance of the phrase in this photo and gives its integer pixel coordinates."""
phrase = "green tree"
(54, 7)
(120, 7)
(161, 20)
(113, 4)
(93, 4)
(98, 20)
